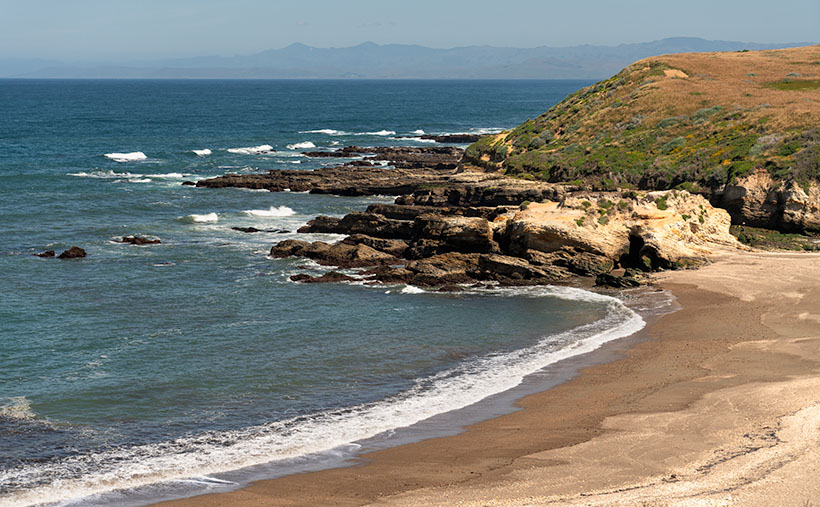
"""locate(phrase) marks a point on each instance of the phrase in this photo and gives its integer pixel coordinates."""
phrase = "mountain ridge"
(369, 60)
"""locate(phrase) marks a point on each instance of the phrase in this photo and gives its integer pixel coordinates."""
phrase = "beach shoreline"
(700, 410)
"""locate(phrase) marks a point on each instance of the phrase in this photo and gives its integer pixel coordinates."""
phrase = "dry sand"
(720, 406)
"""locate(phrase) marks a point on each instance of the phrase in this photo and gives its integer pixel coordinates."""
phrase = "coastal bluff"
(741, 128)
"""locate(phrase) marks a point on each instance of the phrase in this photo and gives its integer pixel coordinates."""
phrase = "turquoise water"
(139, 365)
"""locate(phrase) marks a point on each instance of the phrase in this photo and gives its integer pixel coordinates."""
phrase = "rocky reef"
(434, 239)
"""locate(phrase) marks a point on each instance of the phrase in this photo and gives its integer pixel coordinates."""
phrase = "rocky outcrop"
(139, 240)
(435, 234)
(340, 254)
(760, 201)
(74, 252)
(46, 254)
(585, 234)
(371, 224)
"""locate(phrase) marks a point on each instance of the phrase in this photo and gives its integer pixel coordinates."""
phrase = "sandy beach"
(720, 405)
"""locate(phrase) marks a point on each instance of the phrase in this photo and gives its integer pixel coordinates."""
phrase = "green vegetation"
(620, 133)
(661, 203)
(766, 239)
(788, 84)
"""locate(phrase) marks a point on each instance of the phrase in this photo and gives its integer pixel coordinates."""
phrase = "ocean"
(147, 372)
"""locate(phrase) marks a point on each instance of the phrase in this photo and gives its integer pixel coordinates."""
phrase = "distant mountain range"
(392, 61)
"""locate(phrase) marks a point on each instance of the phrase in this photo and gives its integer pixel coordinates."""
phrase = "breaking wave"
(301, 146)
(126, 157)
(252, 150)
(213, 452)
(281, 211)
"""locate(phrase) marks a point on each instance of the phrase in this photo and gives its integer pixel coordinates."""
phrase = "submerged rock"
(47, 253)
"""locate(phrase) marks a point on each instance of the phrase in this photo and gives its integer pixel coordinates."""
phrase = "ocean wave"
(221, 451)
(414, 139)
(327, 132)
(202, 153)
(301, 146)
(252, 150)
(103, 175)
(171, 176)
(200, 219)
(126, 157)
(418, 132)
(377, 133)
(281, 211)
(412, 289)
(17, 407)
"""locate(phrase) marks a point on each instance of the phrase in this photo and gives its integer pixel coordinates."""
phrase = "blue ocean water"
(147, 364)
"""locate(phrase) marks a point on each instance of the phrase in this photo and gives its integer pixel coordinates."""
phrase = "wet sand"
(721, 404)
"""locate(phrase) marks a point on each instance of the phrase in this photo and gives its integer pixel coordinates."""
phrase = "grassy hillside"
(695, 121)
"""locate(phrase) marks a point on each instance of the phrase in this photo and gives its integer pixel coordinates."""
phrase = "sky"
(104, 30)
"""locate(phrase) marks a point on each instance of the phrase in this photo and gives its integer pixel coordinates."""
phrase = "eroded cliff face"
(761, 201)
(656, 230)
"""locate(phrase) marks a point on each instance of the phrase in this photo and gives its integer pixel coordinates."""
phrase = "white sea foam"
(414, 139)
(378, 133)
(163, 176)
(281, 211)
(412, 289)
(301, 146)
(203, 153)
(418, 132)
(103, 175)
(201, 219)
(214, 452)
(126, 157)
(252, 150)
(138, 180)
(328, 132)
(17, 407)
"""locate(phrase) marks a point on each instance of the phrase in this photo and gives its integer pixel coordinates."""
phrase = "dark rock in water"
(340, 254)
(452, 138)
(74, 252)
(138, 240)
(327, 154)
(251, 230)
(47, 253)
(189, 183)
(619, 282)
(451, 288)
(332, 277)
(288, 248)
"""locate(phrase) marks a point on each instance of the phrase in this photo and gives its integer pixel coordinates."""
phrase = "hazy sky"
(106, 29)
